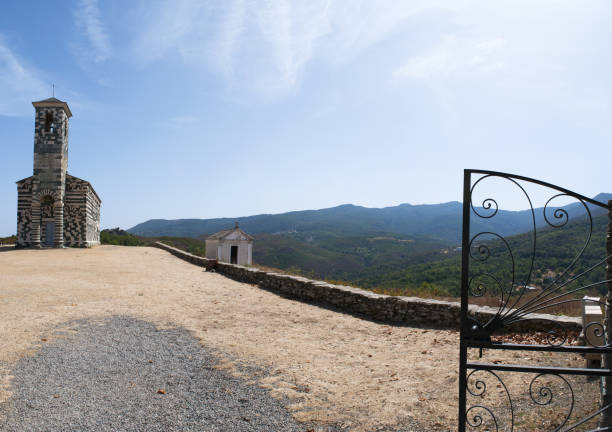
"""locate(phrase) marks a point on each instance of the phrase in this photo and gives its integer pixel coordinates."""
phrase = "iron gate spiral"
(522, 394)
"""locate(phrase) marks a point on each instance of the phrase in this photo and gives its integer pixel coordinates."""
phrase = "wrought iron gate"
(507, 384)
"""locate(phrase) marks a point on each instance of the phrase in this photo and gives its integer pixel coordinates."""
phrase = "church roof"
(86, 182)
(53, 102)
(22, 180)
(51, 99)
(225, 233)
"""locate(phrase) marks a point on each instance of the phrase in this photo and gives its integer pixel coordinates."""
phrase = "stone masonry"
(55, 209)
(390, 309)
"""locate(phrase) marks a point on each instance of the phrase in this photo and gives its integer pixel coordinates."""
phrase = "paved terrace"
(81, 329)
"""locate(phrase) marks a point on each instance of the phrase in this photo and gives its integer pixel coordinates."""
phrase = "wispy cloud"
(228, 35)
(89, 23)
(265, 46)
(19, 83)
(168, 27)
(455, 55)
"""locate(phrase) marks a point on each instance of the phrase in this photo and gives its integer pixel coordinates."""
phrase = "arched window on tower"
(48, 121)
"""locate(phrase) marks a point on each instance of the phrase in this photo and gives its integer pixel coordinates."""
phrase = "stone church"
(55, 209)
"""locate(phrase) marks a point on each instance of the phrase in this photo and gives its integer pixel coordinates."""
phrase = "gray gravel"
(106, 377)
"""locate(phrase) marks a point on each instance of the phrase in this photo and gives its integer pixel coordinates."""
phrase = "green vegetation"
(347, 258)
(556, 248)
(191, 245)
(120, 237)
(127, 239)
(8, 240)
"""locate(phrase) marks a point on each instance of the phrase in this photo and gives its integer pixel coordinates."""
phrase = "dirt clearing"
(334, 368)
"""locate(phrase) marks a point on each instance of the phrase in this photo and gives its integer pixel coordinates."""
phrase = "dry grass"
(331, 367)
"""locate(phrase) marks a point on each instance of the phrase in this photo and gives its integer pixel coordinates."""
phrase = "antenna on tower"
(53, 89)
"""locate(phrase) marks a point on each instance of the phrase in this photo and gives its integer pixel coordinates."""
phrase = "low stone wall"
(390, 309)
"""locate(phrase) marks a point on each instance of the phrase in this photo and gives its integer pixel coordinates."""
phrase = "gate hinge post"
(605, 420)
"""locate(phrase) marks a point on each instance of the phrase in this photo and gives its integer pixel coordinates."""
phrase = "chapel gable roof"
(229, 233)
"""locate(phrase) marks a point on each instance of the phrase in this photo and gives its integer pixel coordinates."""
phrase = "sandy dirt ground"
(331, 367)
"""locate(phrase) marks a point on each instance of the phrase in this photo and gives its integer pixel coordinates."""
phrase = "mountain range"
(439, 221)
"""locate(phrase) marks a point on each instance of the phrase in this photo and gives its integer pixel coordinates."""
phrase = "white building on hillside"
(233, 246)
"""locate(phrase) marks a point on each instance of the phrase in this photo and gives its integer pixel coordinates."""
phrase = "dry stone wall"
(389, 309)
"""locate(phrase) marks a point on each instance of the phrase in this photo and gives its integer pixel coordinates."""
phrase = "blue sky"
(188, 108)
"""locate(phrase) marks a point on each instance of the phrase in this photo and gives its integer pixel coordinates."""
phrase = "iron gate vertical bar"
(605, 420)
(465, 256)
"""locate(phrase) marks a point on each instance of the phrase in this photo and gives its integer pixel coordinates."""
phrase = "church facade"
(54, 208)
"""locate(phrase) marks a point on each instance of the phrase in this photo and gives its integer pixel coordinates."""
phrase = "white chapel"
(233, 246)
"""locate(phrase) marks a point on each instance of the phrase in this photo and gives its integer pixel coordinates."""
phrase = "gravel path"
(111, 376)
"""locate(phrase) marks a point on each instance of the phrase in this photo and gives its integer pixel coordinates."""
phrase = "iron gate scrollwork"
(522, 387)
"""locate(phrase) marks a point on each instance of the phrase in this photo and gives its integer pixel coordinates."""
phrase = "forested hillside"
(347, 258)
(556, 249)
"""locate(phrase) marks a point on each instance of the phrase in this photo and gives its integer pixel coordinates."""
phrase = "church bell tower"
(50, 165)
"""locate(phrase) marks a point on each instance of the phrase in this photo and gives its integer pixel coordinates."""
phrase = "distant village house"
(232, 245)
